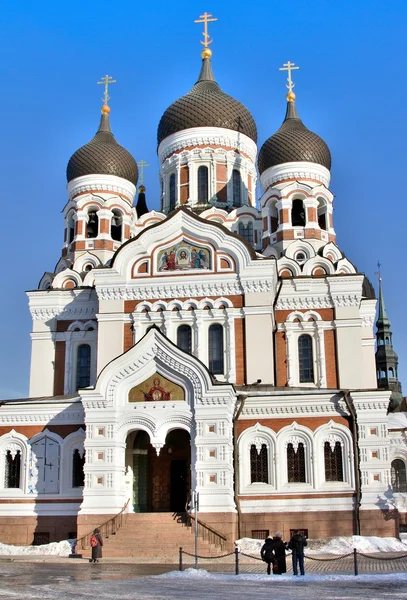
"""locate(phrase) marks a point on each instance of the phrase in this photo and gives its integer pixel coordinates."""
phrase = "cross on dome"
(289, 66)
(205, 19)
(106, 81)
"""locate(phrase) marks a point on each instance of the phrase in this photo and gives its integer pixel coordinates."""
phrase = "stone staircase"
(156, 537)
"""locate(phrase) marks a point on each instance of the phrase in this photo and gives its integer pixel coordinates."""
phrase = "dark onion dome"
(206, 105)
(293, 142)
(103, 156)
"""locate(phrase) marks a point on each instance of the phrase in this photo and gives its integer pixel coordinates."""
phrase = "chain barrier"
(207, 557)
(327, 559)
(381, 557)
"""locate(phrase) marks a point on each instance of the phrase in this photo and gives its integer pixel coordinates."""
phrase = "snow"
(338, 545)
(54, 549)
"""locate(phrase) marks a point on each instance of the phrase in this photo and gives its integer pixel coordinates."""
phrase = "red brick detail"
(63, 326)
(281, 362)
(240, 355)
(312, 214)
(250, 183)
(265, 242)
(221, 173)
(326, 314)
(318, 272)
(127, 232)
(69, 284)
(184, 175)
(265, 224)
(224, 264)
(127, 337)
(30, 430)
(59, 369)
(130, 305)
(285, 273)
(104, 226)
(79, 227)
(143, 268)
(221, 192)
(330, 358)
(284, 215)
(103, 245)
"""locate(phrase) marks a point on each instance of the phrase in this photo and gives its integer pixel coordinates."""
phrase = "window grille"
(398, 476)
(172, 191)
(236, 187)
(184, 338)
(203, 177)
(305, 359)
(83, 366)
(296, 463)
(260, 534)
(216, 359)
(259, 464)
(12, 470)
(78, 463)
(41, 538)
(333, 462)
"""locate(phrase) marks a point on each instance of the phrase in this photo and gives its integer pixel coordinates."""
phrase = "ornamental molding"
(212, 136)
(101, 183)
(65, 314)
(295, 170)
(158, 291)
(73, 418)
(294, 410)
(292, 303)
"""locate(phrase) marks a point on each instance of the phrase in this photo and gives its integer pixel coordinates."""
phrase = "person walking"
(267, 553)
(297, 545)
(96, 543)
(279, 547)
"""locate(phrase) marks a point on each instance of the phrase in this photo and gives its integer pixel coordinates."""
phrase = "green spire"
(382, 319)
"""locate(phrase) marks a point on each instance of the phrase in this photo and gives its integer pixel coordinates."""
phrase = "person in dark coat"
(279, 565)
(267, 553)
(297, 545)
(97, 550)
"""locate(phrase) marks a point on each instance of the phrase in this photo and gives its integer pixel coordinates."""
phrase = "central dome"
(206, 105)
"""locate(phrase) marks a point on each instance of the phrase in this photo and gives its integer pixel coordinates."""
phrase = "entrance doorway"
(160, 483)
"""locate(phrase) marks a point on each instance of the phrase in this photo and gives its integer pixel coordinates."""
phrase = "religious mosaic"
(183, 256)
(156, 389)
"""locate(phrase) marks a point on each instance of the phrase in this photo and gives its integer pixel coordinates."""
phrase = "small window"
(78, 474)
(92, 228)
(83, 366)
(333, 462)
(259, 464)
(391, 372)
(398, 476)
(236, 187)
(71, 229)
(203, 184)
(305, 359)
(246, 231)
(300, 257)
(12, 470)
(298, 213)
(184, 338)
(296, 463)
(116, 226)
(322, 221)
(172, 190)
(216, 360)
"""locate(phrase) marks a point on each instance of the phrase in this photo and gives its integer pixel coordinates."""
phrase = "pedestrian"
(267, 553)
(297, 545)
(96, 543)
(279, 547)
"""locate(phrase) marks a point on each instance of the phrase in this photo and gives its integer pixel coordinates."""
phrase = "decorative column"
(321, 354)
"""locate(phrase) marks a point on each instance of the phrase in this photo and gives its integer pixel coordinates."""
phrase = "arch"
(92, 223)
(73, 461)
(70, 227)
(298, 218)
(398, 475)
(116, 225)
(328, 469)
(13, 458)
(203, 184)
(322, 212)
(236, 188)
(184, 338)
(257, 451)
(295, 445)
(216, 349)
(318, 262)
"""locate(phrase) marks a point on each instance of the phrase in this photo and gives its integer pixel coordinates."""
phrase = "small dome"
(293, 142)
(102, 156)
(206, 105)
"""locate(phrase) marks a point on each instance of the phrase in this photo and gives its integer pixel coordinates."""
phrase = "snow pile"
(54, 549)
(338, 545)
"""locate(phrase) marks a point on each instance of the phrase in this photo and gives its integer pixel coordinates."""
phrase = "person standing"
(297, 545)
(279, 565)
(96, 543)
(267, 553)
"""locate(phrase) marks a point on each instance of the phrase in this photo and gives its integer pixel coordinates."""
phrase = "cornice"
(162, 290)
(101, 183)
(295, 170)
(293, 303)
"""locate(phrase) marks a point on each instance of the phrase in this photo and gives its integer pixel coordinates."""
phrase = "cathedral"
(224, 346)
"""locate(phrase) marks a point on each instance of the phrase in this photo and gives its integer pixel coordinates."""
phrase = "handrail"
(109, 527)
(208, 533)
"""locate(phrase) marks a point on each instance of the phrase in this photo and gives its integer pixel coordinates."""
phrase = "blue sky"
(350, 88)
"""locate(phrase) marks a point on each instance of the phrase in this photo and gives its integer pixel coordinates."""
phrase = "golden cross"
(205, 19)
(289, 66)
(142, 164)
(106, 80)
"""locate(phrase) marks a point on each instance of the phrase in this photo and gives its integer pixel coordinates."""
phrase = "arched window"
(215, 346)
(236, 188)
(259, 471)
(203, 184)
(92, 228)
(298, 213)
(78, 463)
(172, 191)
(398, 476)
(296, 463)
(246, 231)
(305, 359)
(333, 462)
(391, 372)
(387, 340)
(184, 338)
(116, 226)
(322, 221)
(140, 472)
(71, 229)
(83, 366)
(12, 472)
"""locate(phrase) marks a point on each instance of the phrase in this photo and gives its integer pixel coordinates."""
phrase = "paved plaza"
(58, 578)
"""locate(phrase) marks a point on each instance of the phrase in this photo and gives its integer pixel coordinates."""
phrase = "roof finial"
(142, 164)
(106, 80)
(289, 66)
(205, 19)
(378, 271)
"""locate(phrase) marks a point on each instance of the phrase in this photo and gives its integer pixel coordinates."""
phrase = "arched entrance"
(160, 483)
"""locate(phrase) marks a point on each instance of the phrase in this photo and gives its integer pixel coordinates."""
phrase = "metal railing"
(109, 527)
(208, 533)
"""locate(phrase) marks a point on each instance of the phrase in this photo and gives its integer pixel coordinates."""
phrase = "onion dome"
(103, 156)
(206, 105)
(293, 142)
